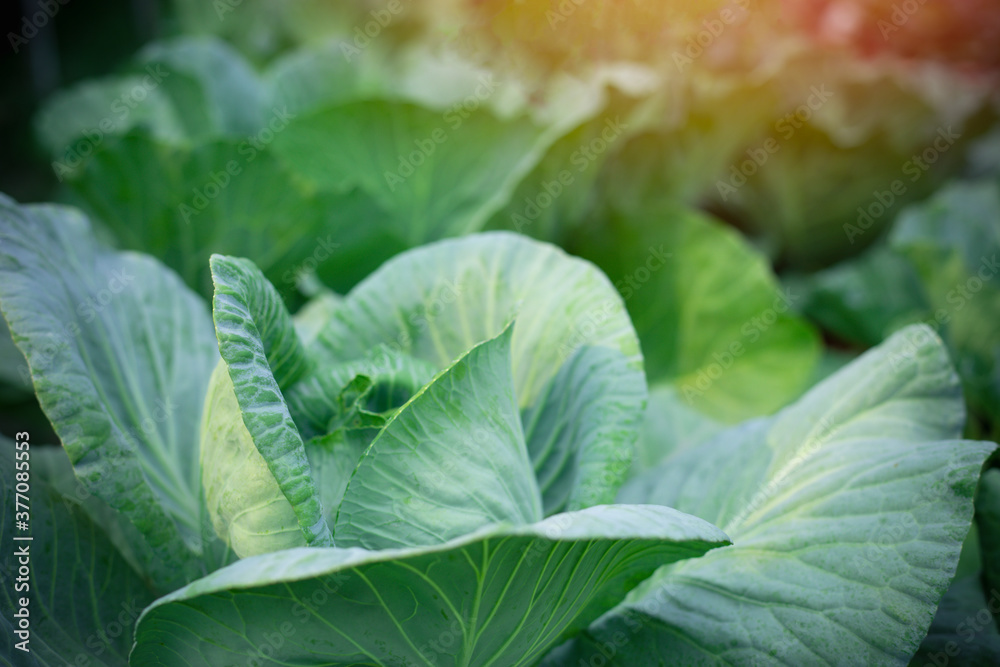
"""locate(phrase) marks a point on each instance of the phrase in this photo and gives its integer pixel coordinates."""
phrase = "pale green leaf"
(183, 203)
(713, 320)
(311, 317)
(953, 241)
(671, 426)
(437, 302)
(424, 168)
(120, 352)
(306, 79)
(847, 510)
(261, 353)
(214, 90)
(76, 121)
(499, 597)
(450, 462)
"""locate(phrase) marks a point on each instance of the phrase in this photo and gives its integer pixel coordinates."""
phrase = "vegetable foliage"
(508, 332)
(430, 474)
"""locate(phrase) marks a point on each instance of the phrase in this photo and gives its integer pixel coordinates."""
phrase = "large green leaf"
(864, 299)
(712, 318)
(562, 189)
(839, 153)
(83, 596)
(74, 122)
(183, 203)
(805, 198)
(342, 409)
(953, 240)
(847, 511)
(306, 79)
(683, 148)
(180, 90)
(15, 380)
(120, 352)
(577, 369)
(501, 596)
(424, 167)
(451, 461)
(313, 314)
(247, 422)
(195, 159)
(213, 88)
(176, 154)
(671, 425)
(579, 430)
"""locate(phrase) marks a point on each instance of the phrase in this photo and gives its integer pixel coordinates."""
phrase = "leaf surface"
(247, 421)
(577, 369)
(847, 511)
(84, 598)
(452, 461)
(120, 352)
(501, 596)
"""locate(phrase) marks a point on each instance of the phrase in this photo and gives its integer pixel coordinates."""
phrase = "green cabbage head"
(296, 412)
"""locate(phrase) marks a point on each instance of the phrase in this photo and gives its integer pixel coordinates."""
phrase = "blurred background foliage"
(773, 187)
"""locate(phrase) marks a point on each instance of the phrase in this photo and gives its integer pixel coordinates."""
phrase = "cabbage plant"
(431, 470)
